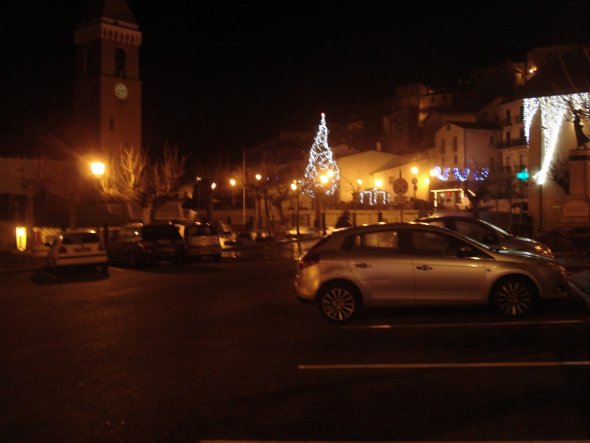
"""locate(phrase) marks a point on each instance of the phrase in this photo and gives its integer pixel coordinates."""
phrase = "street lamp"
(98, 169)
(232, 183)
(324, 179)
(294, 189)
(427, 183)
(258, 178)
(414, 171)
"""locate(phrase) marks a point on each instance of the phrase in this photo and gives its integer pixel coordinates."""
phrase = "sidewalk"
(20, 261)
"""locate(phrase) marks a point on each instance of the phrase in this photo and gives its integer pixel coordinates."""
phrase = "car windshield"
(164, 231)
(498, 229)
(200, 230)
(77, 238)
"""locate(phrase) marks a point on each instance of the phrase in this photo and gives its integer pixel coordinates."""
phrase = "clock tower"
(107, 88)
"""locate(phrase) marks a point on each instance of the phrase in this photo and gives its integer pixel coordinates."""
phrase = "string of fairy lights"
(555, 110)
(322, 174)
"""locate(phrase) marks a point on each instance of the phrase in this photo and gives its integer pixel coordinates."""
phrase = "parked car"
(488, 233)
(228, 237)
(78, 248)
(200, 240)
(138, 244)
(394, 264)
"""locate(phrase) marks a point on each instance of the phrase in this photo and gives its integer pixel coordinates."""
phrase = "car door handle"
(362, 265)
(424, 268)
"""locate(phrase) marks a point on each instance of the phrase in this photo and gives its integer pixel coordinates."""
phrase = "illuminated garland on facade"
(372, 197)
(321, 164)
(554, 111)
(461, 175)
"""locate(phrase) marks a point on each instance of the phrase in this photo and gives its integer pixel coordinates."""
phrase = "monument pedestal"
(576, 209)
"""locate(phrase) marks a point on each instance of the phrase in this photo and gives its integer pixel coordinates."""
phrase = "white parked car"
(398, 264)
(77, 248)
(201, 240)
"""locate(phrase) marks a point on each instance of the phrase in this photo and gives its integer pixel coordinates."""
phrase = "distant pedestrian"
(344, 220)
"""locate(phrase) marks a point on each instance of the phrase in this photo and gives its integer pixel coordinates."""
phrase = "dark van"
(138, 244)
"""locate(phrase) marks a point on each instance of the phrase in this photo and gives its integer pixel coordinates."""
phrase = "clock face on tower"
(121, 91)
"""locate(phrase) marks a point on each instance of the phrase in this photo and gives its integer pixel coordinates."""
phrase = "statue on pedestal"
(581, 138)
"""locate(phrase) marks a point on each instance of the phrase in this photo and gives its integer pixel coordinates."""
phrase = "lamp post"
(232, 183)
(414, 171)
(98, 169)
(356, 195)
(258, 178)
(295, 190)
(324, 178)
(427, 183)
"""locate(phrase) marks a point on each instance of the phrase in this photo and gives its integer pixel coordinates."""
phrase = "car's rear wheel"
(339, 302)
(514, 296)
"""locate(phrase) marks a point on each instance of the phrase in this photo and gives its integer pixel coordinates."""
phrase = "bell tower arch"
(107, 87)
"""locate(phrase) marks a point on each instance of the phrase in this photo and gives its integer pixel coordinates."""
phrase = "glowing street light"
(294, 189)
(378, 183)
(97, 168)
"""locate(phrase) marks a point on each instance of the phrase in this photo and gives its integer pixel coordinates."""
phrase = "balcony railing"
(521, 141)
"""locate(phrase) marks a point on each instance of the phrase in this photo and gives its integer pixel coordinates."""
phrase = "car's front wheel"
(339, 302)
(514, 296)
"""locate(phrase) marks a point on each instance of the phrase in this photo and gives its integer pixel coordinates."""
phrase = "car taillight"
(308, 260)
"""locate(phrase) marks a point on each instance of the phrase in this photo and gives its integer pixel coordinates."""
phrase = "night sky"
(220, 76)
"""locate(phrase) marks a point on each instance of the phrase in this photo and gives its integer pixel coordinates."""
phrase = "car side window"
(439, 223)
(430, 243)
(475, 231)
(382, 241)
(435, 244)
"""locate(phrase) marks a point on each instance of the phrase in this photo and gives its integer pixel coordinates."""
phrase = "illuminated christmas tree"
(321, 173)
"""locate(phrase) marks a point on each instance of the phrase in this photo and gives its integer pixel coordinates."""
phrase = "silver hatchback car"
(415, 263)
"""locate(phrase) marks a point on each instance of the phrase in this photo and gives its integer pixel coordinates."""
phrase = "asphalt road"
(212, 351)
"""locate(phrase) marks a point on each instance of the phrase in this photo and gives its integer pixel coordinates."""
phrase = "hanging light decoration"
(554, 111)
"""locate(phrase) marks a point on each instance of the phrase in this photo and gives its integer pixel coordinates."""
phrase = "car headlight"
(543, 250)
(554, 266)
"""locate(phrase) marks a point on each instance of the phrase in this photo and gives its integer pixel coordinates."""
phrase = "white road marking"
(306, 367)
(391, 441)
(466, 325)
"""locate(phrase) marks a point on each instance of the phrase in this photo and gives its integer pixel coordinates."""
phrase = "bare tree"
(168, 176)
(135, 177)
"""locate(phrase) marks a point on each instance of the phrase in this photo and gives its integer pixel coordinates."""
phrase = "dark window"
(71, 239)
(155, 232)
(120, 63)
(88, 62)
